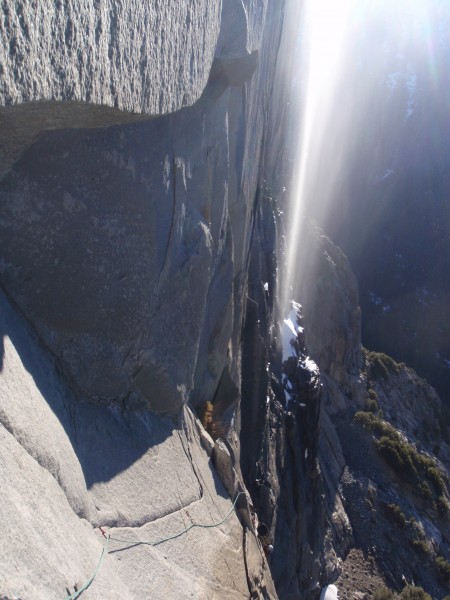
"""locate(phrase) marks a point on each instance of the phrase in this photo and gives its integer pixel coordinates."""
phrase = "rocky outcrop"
(395, 482)
(383, 446)
(279, 424)
(328, 290)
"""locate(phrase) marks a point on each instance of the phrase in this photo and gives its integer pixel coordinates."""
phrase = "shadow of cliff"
(105, 439)
(108, 441)
(21, 124)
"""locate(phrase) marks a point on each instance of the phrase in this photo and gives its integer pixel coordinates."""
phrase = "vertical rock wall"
(126, 246)
(125, 250)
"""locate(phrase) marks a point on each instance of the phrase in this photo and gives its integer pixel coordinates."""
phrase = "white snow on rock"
(289, 332)
(330, 592)
(309, 364)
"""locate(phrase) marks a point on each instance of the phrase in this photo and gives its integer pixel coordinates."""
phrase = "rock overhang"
(107, 295)
(143, 57)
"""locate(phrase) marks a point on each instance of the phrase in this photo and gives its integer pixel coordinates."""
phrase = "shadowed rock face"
(328, 290)
(70, 64)
(110, 252)
(279, 438)
(125, 246)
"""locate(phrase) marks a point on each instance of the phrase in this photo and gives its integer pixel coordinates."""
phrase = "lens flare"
(326, 29)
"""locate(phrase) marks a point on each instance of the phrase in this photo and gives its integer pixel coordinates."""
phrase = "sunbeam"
(325, 33)
(364, 62)
(371, 166)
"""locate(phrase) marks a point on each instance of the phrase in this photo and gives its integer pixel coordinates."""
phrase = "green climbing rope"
(180, 533)
(88, 583)
(148, 543)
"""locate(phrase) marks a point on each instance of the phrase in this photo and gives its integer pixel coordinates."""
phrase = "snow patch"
(289, 330)
(330, 592)
(308, 363)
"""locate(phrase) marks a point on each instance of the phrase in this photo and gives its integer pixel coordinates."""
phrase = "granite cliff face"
(140, 57)
(133, 144)
(142, 167)
(126, 246)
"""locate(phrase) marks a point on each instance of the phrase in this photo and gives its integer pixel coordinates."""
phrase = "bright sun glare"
(325, 31)
(343, 50)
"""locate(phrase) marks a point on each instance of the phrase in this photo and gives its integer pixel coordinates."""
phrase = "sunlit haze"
(324, 35)
(371, 169)
(361, 64)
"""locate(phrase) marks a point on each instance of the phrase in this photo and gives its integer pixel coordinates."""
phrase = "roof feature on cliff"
(137, 56)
